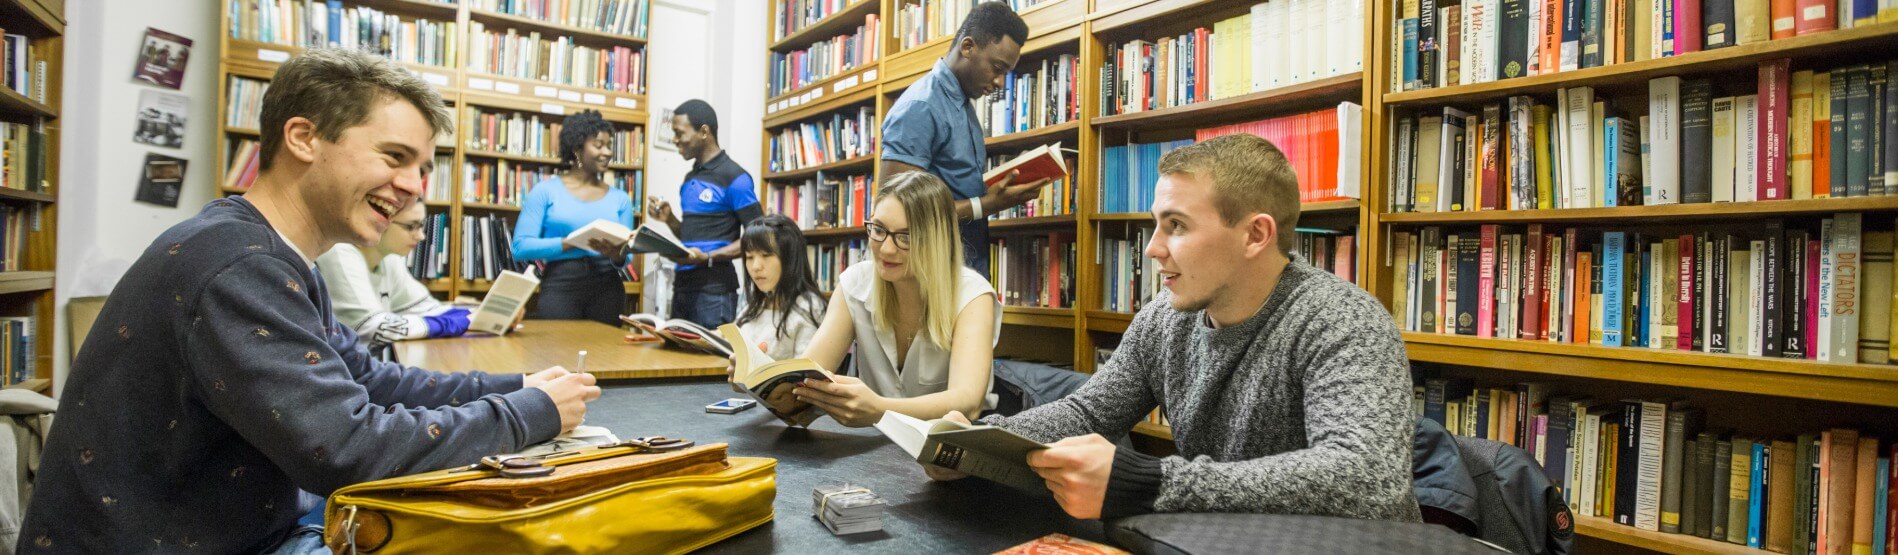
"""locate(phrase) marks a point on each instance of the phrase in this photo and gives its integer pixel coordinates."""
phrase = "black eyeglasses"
(880, 234)
(411, 227)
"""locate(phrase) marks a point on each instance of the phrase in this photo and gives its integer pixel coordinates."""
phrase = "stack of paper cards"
(847, 509)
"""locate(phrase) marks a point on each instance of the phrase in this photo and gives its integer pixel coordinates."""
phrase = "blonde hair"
(935, 253)
(1250, 176)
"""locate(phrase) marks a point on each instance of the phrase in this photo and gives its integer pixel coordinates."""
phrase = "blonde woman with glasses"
(924, 326)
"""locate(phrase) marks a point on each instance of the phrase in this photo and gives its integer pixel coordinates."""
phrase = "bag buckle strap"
(655, 444)
(349, 529)
(531, 466)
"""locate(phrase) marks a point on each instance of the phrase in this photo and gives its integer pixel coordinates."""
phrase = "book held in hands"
(1044, 162)
(649, 238)
(771, 381)
(978, 450)
(505, 302)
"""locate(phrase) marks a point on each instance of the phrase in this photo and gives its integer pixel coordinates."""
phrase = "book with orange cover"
(1061, 544)
(1042, 162)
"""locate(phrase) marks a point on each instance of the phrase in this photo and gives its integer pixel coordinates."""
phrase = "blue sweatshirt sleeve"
(626, 214)
(389, 383)
(528, 242)
(260, 366)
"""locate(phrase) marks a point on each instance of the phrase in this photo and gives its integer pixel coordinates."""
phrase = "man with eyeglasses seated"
(372, 291)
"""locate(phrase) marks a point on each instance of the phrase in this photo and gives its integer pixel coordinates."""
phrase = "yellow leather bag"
(646, 495)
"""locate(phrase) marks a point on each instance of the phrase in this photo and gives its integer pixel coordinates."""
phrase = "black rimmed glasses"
(880, 234)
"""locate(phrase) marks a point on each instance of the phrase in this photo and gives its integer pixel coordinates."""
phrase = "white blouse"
(799, 330)
(926, 367)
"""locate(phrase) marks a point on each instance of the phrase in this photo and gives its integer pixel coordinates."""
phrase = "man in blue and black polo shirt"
(933, 127)
(716, 201)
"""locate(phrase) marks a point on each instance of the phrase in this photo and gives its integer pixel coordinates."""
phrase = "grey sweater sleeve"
(282, 386)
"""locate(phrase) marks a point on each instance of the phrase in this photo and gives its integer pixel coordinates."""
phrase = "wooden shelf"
(549, 28)
(442, 285)
(1109, 321)
(424, 8)
(527, 95)
(632, 287)
(832, 25)
(38, 385)
(1033, 137)
(1150, 429)
(1122, 217)
(1032, 224)
(511, 157)
(1878, 38)
(865, 163)
(819, 106)
(1602, 528)
(29, 18)
(1868, 384)
(834, 232)
(1282, 100)
(1664, 212)
(16, 104)
(489, 207)
(863, 76)
(247, 131)
(25, 282)
(1037, 316)
(267, 56)
(29, 196)
(901, 66)
(1330, 207)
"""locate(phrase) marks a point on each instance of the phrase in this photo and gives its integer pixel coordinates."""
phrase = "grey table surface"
(965, 516)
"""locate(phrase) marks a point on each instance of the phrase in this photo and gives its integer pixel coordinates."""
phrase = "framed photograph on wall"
(161, 179)
(162, 58)
(662, 130)
(161, 118)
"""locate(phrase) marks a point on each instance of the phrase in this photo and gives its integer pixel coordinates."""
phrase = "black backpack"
(1515, 506)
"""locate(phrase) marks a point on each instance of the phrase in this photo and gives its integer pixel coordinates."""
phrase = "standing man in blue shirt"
(933, 127)
(717, 200)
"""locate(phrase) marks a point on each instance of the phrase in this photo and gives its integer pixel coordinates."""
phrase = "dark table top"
(965, 516)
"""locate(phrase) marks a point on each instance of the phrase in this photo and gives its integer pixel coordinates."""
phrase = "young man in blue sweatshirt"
(217, 383)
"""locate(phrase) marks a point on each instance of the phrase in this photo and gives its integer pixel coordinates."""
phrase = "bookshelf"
(30, 207)
(469, 90)
(1748, 395)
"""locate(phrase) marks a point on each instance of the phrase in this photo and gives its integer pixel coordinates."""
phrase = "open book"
(1043, 161)
(680, 333)
(975, 449)
(505, 302)
(650, 238)
(770, 381)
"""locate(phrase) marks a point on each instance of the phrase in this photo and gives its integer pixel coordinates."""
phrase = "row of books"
(23, 69)
(1331, 251)
(1276, 44)
(557, 60)
(311, 23)
(1033, 271)
(19, 357)
(790, 16)
(1461, 42)
(526, 134)
(619, 17)
(841, 136)
(241, 165)
(1804, 135)
(245, 102)
(441, 182)
(23, 146)
(1130, 279)
(502, 182)
(15, 222)
(921, 21)
(1323, 148)
(487, 247)
(821, 60)
(1657, 465)
(827, 200)
(429, 260)
(1056, 198)
(1033, 97)
(1780, 290)
(828, 260)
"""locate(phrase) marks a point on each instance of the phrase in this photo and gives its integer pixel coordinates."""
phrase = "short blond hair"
(1250, 176)
(336, 88)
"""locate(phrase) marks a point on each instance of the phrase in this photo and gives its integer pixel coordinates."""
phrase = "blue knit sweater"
(216, 383)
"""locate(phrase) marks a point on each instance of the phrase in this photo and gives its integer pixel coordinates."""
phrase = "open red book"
(1043, 161)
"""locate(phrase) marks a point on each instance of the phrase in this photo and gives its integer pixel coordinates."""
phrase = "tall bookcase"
(1082, 29)
(31, 191)
(467, 35)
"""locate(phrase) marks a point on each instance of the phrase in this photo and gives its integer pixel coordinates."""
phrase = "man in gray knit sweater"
(1287, 387)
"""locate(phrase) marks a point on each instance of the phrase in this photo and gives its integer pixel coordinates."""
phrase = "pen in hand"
(582, 366)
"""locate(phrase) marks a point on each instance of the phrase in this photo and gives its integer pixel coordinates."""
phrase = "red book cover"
(1814, 16)
(1572, 256)
(1582, 291)
(1775, 92)
(1812, 298)
(1532, 282)
(1782, 22)
(1489, 183)
(1327, 149)
(1686, 316)
(1822, 136)
(1044, 162)
(1486, 284)
(1687, 27)
(1550, 53)
(1202, 36)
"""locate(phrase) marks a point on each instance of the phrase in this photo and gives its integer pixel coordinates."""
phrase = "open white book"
(651, 238)
(978, 450)
(1044, 161)
(505, 302)
(770, 381)
(680, 333)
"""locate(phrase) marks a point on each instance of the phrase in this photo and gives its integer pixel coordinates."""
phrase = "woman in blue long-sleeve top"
(581, 284)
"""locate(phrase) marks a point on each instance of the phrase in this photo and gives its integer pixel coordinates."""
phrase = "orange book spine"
(1579, 297)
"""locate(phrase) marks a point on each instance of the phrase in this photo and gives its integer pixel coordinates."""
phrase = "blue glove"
(450, 323)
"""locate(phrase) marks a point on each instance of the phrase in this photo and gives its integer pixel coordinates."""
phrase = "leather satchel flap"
(576, 476)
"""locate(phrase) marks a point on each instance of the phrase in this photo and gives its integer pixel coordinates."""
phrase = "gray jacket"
(23, 431)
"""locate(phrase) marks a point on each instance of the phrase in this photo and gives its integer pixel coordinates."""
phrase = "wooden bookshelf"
(1034, 137)
(1036, 223)
(860, 164)
(29, 290)
(1605, 529)
(1307, 95)
(835, 24)
(1705, 212)
(1037, 316)
(460, 87)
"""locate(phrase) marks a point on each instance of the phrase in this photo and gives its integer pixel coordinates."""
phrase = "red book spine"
(1486, 285)
(1687, 31)
(1532, 282)
(1782, 21)
(1891, 504)
(1575, 277)
(1685, 318)
(1489, 182)
(1774, 89)
(1551, 287)
(1813, 16)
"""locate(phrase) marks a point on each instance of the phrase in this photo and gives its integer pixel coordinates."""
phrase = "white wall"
(101, 231)
(708, 50)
